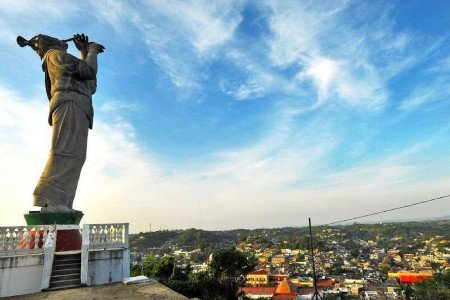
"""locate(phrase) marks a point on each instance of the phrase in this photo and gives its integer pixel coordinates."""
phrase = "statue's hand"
(96, 47)
(81, 42)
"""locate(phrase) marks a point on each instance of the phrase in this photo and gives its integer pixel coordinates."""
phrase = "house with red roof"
(286, 290)
(257, 292)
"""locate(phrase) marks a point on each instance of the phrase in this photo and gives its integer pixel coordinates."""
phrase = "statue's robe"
(70, 83)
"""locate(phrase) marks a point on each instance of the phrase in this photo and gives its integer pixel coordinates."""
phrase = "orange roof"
(325, 282)
(258, 290)
(286, 287)
(413, 278)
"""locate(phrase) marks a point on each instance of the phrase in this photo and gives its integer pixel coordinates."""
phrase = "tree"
(158, 268)
(230, 266)
(354, 252)
(436, 288)
(181, 273)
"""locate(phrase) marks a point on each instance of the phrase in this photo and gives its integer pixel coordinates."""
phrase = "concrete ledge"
(105, 266)
(151, 291)
(20, 274)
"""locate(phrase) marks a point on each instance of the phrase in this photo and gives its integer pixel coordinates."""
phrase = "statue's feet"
(57, 209)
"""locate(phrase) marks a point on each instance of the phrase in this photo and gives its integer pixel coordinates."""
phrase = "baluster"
(116, 234)
(8, 239)
(3, 240)
(32, 243)
(107, 232)
(122, 233)
(15, 237)
(103, 234)
(36, 239)
(93, 235)
(41, 237)
(24, 239)
(112, 234)
(99, 234)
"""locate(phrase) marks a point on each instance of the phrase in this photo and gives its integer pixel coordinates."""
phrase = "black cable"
(386, 210)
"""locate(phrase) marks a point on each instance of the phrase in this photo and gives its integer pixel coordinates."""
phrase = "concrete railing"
(106, 236)
(22, 240)
(105, 253)
(27, 253)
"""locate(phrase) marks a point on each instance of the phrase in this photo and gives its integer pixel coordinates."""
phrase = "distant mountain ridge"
(289, 237)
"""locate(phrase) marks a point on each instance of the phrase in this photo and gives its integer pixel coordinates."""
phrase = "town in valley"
(358, 261)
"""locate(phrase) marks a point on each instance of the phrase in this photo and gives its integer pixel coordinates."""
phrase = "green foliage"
(354, 252)
(231, 265)
(181, 273)
(158, 268)
(202, 285)
(300, 257)
(135, 270)
(412, 234)
(443, 245)
(228, 269)
(384, 268)
(436, 288)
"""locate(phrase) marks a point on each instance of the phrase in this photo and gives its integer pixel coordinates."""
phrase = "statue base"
(48, 218)
(68, 236)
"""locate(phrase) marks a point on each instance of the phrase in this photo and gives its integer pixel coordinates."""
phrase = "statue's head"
(41, 43)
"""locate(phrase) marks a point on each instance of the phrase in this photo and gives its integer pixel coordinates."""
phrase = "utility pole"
(316, 293)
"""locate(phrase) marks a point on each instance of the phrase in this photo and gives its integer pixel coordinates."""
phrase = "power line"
(387, 210)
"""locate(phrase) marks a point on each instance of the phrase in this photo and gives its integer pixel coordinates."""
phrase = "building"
(277, 278)
(411, 277)
(286, 290)
(304, 281)
(307, 293)
(278, 260)
(257, 278)
(257, 292)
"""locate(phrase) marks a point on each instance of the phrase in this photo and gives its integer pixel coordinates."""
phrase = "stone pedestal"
(68, 237)
(48, 218)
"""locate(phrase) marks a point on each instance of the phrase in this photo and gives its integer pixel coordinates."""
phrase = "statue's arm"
(87, 66)
(91, 57)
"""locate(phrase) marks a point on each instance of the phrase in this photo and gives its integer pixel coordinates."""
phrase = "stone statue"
(70, 83)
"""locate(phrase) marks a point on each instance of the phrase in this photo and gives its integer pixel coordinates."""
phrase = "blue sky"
(239, 114)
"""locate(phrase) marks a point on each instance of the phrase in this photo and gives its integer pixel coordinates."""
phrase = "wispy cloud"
(442, 66)
(180, 36)
(430, 94)
(324, 75)
(270, 179)
(32, 15)
(340, 66)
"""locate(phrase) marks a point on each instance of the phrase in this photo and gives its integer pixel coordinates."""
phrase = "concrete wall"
(105, 266)
(21, 274)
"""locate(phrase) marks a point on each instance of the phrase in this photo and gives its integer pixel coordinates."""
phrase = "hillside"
(386, 234)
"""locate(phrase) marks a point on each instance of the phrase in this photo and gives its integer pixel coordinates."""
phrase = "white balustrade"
(108, 236)
(22, 240)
